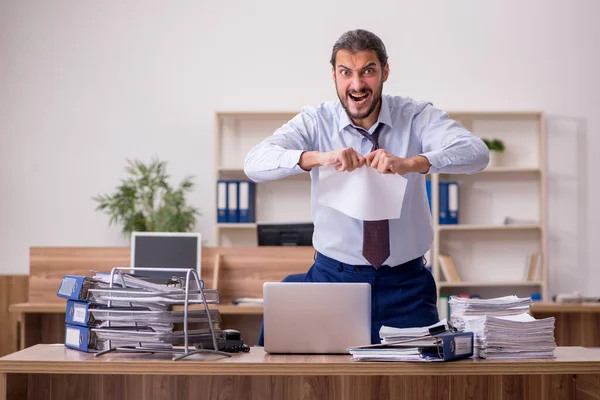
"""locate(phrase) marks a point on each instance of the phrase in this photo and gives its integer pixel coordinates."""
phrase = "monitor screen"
(280, 234)
(165, 250)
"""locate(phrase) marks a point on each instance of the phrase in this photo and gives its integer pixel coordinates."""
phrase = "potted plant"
(146, 202)
(496, 147)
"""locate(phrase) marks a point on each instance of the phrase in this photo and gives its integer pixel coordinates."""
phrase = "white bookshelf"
(489, 256)
(286, 200)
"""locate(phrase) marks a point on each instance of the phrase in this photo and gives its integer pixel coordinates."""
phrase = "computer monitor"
(165, 250)
(285, 234)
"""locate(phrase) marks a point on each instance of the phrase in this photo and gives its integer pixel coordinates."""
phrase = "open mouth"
(359, 98)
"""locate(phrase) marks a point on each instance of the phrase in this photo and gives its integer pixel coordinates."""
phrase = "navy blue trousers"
(403, 296)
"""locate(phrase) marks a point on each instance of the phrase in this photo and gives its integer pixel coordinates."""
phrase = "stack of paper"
(513, 336)
(499, 306)
(389, 334)
(503, 327)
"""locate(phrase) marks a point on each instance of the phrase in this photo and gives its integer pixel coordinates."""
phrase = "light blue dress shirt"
(411, 128)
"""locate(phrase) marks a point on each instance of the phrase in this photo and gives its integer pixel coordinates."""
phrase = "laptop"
(316, 318)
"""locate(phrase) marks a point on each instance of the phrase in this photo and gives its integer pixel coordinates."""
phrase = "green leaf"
(145, 201)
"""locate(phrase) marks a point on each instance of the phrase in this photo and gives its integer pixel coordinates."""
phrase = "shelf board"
(238, 173)
(493, 170)
(496, 115)
(467, 227)
(236, 170)
(257, 114)
(501, 170)
(236, 225)
(488, 284)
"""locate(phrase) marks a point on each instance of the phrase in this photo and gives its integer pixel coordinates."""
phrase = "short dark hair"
(359, 40)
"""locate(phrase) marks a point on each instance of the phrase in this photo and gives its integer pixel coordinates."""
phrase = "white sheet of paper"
(363, 194)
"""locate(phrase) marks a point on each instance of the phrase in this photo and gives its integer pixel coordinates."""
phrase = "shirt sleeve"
(278, 155)
(449, 147)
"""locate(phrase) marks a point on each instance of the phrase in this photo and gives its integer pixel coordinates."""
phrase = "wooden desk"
(52, 371)
(576, 324)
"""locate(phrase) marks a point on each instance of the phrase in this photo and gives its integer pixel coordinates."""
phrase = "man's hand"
(346, 159)
(387, 163)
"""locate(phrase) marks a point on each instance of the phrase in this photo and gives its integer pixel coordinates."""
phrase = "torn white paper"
(364, 193)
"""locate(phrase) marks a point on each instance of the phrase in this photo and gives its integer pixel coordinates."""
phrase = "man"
(393, 135)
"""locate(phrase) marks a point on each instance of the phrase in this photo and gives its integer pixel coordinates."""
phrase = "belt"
(418, 262)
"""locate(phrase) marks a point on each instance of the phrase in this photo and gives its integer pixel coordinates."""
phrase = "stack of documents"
(503, 327)
(389, 334)
(444, 346)
(135, 312)
(462, 308)
(513, 336)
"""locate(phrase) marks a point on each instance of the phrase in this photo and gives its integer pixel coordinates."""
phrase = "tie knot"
(374, 137)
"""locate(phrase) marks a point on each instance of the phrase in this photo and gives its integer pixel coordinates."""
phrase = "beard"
(362, 108)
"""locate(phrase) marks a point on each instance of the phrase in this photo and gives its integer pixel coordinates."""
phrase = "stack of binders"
(448, 201)
(434, 343)
(236, 201)
(135, 313)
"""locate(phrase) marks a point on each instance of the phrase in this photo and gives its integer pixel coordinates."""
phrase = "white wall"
(84, 85)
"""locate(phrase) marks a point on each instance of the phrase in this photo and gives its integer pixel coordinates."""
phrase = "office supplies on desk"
(499, 306)
(82, 338)
(445, 346)
(98, 315)
(503, 327)
(512, 336)
(389, 334)
(74, 287)
(120, 324)
(247, 301)
(315, 318)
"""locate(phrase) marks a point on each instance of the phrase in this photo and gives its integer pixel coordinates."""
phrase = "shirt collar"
(384, 117)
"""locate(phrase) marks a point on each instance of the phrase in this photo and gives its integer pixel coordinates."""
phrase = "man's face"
(359, 81)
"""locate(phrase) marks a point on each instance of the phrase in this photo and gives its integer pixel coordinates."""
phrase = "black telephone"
(232, 342)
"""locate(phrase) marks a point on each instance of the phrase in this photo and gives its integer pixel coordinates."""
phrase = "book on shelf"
(448, 268)
(533, 267)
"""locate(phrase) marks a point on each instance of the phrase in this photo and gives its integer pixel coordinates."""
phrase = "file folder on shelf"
(222, 210)
(247, 193)
(448, 195)
(232, 201)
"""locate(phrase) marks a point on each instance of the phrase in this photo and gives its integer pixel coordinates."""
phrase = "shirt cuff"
(438, 160)
(291, 158)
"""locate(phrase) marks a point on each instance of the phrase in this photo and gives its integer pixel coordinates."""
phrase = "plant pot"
(495, 158)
